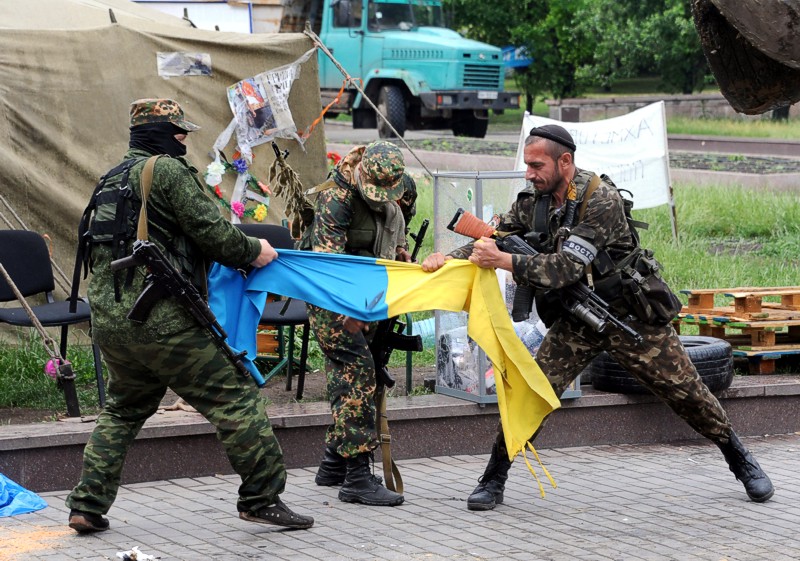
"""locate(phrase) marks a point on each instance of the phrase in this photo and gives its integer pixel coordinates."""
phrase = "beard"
(547, 187)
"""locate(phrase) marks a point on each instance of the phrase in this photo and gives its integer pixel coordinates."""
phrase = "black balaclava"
(158, 138)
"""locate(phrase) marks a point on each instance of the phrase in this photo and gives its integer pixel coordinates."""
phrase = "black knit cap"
(555, 133)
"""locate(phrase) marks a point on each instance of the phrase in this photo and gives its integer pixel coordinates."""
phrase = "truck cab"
(419, 74)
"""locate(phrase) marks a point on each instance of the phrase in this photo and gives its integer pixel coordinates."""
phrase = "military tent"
(68, 74)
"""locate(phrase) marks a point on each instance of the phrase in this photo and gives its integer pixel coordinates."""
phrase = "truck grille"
(406, 54)
(481, 76)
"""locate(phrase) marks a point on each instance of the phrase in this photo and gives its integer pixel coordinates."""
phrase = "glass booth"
(462, 368)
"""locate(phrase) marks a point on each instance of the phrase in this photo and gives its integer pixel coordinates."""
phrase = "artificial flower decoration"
(255, 189)
(238, 208)
(333, 159)
(260, 213)
(214, 173)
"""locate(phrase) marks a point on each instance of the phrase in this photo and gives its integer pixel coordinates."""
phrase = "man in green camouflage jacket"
(598, 236)
(170, 349)
(356, 213)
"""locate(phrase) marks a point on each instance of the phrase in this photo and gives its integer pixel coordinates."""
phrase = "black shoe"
(746, 469)
(360, 486)
(487, 495)
(491, 485)
(280, 515)
(85, 522)
(332, 469)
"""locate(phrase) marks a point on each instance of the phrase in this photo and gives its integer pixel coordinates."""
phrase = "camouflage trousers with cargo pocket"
(660, 363)
(350, 372)
(194, 368)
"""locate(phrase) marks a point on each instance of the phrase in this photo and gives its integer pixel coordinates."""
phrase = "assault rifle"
(578, 299)
(163, 280)
(389, 333)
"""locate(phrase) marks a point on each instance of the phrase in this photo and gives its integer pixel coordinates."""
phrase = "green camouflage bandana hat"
(160, 111)
(382, 168)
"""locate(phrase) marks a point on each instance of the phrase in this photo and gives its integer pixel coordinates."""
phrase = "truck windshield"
(428, 14)
(384, 16)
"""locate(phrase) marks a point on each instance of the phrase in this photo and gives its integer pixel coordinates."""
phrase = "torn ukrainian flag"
(374, 289)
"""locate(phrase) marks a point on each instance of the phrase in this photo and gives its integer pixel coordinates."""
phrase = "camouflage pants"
(350, 372)
(192, 366)
(660, 363)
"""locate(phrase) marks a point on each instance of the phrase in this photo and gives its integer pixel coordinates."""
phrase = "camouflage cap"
(382, 167)
(159, 111)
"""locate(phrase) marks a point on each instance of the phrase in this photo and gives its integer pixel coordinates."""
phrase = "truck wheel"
(392, 106)
(712, 357)
(466, 123)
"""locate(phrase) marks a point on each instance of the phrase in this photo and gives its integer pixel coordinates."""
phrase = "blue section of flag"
(346, 284)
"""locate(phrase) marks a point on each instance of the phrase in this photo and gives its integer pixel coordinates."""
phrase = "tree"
(579, 43)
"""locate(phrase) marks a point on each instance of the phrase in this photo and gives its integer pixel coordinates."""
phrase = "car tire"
(712, 357)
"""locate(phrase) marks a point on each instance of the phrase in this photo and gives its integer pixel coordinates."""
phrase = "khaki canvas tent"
(68, 75)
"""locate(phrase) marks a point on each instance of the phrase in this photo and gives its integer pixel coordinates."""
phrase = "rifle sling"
(594, 182)
(146, 183)
(391, 475)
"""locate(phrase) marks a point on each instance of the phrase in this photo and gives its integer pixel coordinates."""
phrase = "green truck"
(419, 73)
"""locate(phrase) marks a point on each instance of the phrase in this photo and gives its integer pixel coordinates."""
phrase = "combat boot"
(491, 485)
(361, 486)
(746, 469)
(332, 469)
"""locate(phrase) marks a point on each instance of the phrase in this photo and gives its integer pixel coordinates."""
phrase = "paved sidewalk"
(642, 502)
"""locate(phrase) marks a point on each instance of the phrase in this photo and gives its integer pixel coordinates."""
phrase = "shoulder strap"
(146, 184)
(591, 187)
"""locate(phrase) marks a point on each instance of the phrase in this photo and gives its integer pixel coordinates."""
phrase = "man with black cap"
(356, 213)
(582, 233)
(169, 349)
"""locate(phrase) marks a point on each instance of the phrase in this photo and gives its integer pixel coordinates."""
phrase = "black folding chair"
(26, 258)
(279, 314)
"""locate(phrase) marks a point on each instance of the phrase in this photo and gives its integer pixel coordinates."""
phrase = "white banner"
(630, 149)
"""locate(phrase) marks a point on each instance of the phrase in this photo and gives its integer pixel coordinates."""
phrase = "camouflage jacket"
(178, 198)
(342, 218)
(603, 228)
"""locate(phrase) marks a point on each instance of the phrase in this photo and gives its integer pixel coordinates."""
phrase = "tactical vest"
(111, 218)
(364, 234)
(547, 234)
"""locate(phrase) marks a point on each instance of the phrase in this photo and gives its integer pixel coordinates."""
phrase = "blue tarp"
(15, 499)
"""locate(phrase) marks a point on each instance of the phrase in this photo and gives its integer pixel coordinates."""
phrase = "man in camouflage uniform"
(599, 235)
(356, 213)
(170, 349)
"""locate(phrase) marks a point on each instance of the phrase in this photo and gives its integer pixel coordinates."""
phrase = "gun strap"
(391, 475)
(594, 182)
(146, 183)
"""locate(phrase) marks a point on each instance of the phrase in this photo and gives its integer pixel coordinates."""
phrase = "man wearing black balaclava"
(170, 348)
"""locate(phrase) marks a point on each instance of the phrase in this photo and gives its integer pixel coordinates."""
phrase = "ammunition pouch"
(523, 302)
(643, 289)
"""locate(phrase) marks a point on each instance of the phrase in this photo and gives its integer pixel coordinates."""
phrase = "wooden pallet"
(760, 331)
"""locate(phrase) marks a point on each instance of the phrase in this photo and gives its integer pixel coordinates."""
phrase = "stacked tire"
(712, 357)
